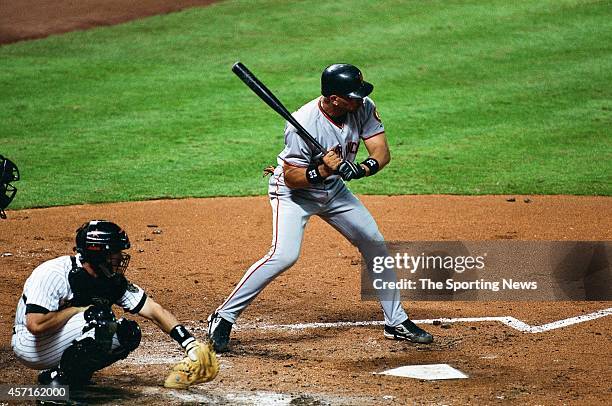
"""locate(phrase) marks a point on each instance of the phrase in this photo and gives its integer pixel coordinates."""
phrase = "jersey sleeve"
(372, 124)
(297, 152)
(133, 299)
(46, 290)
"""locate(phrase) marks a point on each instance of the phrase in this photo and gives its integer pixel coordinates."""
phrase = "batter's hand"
(350, 170)
(331, 162)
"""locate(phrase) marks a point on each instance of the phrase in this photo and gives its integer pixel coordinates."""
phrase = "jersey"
(48, 289)
(344, 138)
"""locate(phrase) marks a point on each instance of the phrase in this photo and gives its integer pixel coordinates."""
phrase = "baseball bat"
(267, 96)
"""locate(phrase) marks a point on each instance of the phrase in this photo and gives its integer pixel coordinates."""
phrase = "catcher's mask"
(8, 173)
(100, 243)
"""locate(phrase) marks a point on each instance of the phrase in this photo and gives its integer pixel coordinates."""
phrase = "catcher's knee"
(129, 334)
(82, 359)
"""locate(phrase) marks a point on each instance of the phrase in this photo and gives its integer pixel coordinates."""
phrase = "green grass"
(477, 98)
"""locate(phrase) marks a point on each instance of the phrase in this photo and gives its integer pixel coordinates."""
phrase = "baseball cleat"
(219, 331)
(408, 331)
(52, 377)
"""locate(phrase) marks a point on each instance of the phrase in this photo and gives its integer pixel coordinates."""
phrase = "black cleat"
(219, 331)
(52, 377)
(408, 331)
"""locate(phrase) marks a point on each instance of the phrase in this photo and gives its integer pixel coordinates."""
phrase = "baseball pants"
(291, 210)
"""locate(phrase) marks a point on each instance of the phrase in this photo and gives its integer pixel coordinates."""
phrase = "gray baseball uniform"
(330, 200)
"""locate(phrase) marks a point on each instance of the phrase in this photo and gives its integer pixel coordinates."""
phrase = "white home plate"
(429, 372)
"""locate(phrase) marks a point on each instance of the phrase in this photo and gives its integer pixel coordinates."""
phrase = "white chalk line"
(165, 357)
(507, 320)
(199, 395)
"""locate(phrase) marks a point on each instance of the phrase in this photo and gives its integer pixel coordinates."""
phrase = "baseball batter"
(301, 187)
(65, 326)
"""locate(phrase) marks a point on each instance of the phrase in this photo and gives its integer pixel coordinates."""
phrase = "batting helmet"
(97, 240)
(343, 79)
(8, 173)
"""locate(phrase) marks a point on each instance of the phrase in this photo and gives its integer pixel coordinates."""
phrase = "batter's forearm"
(295, 178)
(383, 158)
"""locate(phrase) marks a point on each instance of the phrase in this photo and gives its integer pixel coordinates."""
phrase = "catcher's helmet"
(343, 79)
(8, 173)
(97, 240)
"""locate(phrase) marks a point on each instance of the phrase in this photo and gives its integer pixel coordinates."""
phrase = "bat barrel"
(268, 97)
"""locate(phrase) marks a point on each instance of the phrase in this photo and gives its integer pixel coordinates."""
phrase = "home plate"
(430, 372)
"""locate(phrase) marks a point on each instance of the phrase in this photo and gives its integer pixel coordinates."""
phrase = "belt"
(329, 181)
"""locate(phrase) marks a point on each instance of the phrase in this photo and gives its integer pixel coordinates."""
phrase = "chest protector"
(88, 290)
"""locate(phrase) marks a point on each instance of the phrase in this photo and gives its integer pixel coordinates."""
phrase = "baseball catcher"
(65, 325)
(8, 173)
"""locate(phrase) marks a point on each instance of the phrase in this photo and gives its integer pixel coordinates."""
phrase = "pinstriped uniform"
(48, 287)
(330, 200)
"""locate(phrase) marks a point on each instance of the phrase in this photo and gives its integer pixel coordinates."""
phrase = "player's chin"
(355, 106)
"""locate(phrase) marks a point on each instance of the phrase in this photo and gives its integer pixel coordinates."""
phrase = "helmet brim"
(365, 89)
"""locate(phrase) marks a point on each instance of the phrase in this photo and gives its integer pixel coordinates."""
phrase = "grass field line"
(507, 320)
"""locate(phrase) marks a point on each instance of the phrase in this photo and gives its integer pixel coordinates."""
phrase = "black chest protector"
(88, 290)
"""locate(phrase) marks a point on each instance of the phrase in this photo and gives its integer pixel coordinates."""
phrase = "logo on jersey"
(376, 116)
(338, 151)
(351, 148)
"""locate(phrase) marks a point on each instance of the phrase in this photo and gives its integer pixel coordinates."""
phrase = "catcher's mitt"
(199, 365)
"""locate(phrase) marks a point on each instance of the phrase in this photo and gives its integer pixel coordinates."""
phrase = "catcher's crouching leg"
(86, 356)
(199, 365)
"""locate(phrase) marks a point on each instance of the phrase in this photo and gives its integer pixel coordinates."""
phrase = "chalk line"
(167, 354)
(507, 320)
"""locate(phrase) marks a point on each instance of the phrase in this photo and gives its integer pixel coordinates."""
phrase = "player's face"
(119, 262)
(348, 104)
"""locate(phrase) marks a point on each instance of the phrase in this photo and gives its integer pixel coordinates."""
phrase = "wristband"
(372, 164)
(313, 175)
(180, 334)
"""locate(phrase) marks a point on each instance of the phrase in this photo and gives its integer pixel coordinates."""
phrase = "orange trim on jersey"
(326, 116)
(294, 165)
(375, 135)
(269, 257)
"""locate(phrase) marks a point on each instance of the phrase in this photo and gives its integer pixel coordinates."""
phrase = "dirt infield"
(188, 254)
(29, 19)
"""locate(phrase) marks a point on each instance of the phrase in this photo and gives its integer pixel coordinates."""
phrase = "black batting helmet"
(8, 173)
(96, 240)
(343, 79)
